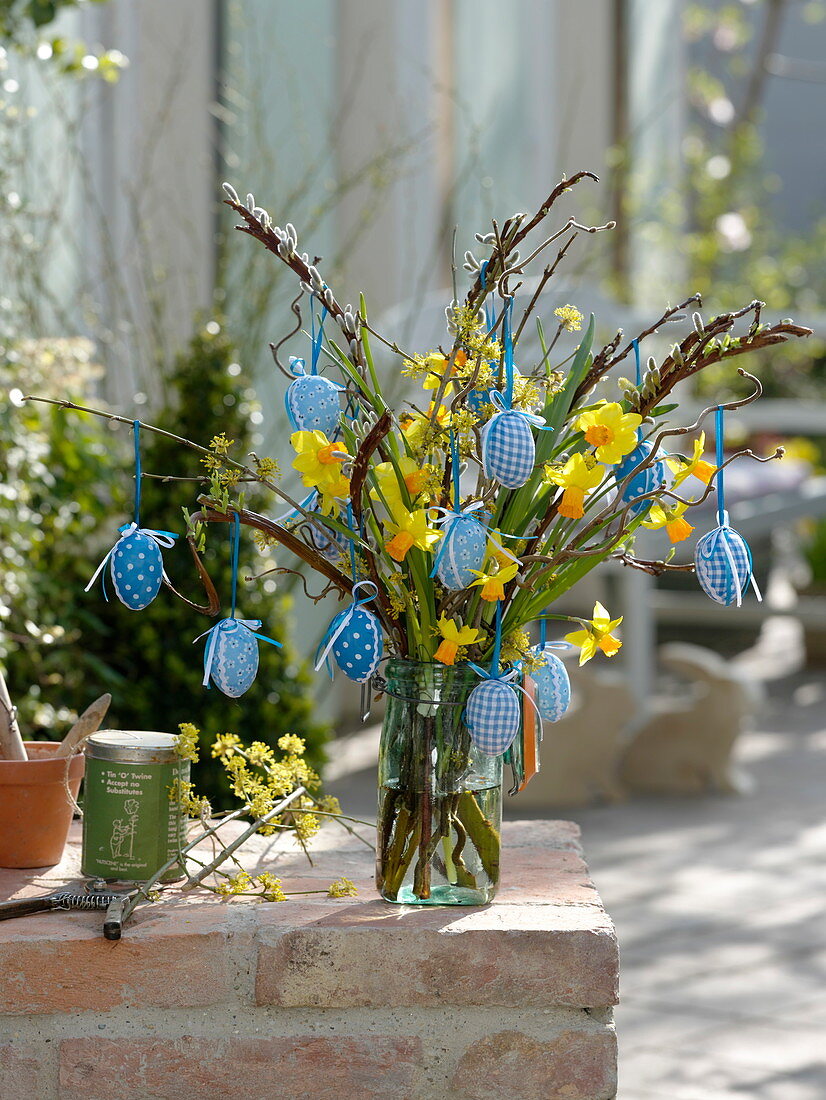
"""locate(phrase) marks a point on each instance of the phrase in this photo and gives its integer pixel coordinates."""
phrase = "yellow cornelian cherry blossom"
(415, 478)
(414, 425)
(319, 463)
(671, 518)
(409, 529)
(454, 636)
(596, 634)
(695, 466)
(611, 431)
(577, 478)
(493, 584)
(437, 365)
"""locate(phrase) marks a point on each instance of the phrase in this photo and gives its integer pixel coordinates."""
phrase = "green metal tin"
(130, 826)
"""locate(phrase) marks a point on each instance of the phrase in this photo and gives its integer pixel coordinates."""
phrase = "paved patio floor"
(720, 906)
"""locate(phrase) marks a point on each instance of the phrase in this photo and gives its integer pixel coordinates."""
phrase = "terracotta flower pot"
(35, 810)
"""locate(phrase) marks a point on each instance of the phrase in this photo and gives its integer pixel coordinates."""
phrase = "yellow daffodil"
(695, 466)
(454, 636)
(671, 518)
(415, 478)
(502, 549)
(610, 430)
(597, 634)
(577, 478)
(493, 584)
(409, 529)
(319, 463)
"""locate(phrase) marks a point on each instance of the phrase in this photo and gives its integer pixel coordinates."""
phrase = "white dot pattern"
(137, 557)
(358, 649)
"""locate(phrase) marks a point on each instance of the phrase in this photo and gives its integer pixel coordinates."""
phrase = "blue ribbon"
(636, 345)
(722, 517)
(352, 544)
(317, 339)
(236, 539)
(136, 431)
(508, 341)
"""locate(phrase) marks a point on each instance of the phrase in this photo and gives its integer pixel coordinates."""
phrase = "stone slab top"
(545, 940)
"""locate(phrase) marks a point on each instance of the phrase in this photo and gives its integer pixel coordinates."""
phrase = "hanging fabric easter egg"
(464, 542)
(723, 563)
(231, 656)
(354, 638)
(231, 651)
(722, 558)
(553, 687)
(135, 562)
(508, 447)
(311, 400)
(646, 480)
(492, 715)
(461, 551)
(136, 566)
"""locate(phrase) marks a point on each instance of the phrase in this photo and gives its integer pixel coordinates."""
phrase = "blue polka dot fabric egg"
(492, 715)
(312, 402)
(462, 549)
(354, 637)
(136, 568)
(723, 563)
(508, 449)
(553, 687)
(646, 481)
(359, 646)
(233, 662)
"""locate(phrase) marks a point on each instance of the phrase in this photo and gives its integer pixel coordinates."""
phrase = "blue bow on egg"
(135, 561)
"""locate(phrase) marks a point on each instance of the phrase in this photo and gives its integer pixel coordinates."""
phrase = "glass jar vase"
(440, 799)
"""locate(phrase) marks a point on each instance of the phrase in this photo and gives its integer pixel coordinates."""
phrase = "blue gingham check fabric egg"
(492, 715)
(723, 563)
(508, 449)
